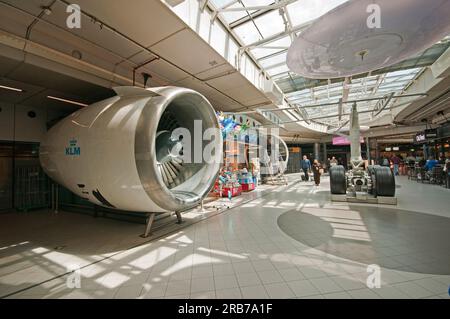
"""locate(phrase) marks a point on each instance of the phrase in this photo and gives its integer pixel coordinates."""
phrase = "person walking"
(317, 169)
(396, 161)
(327, 164)
(333, 161)
(306, 166)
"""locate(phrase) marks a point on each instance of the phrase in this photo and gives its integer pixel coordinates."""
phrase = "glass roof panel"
(261, 52)
(232, 16)
(221, 3)
(248, 33)
(273, 60)
(257, 3)
(272, 47)
(264, 24)
(307, 10)
(270, 23)
(278, 70)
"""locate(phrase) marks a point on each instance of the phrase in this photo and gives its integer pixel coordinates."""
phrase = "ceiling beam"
(274, 6)
(277, 36)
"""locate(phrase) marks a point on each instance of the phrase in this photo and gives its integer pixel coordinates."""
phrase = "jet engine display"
(133, 151)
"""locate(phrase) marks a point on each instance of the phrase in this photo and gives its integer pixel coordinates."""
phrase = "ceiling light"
(10, 88)
(67, 101)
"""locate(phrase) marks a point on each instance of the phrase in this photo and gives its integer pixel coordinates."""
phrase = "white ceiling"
(113, 40)
(112, 44)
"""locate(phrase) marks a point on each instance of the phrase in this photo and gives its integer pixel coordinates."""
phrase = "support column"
(316, 151)
(425, 151)
(368, 150)
(377, 151)
(373, 147)
(325, 154)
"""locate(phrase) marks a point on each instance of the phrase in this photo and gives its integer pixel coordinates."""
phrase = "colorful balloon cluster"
(230, 126)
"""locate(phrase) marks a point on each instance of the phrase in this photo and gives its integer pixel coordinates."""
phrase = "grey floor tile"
(279, 291)
(243, 267)
(179, 287)
(250, 279)
(270, 276)
(325, 285)
(254, 292)
(338, 295)
(433, 285)
(202, 284)
(224, 282)
(413, 290)
(261, 265)
(387, 292)
(203, 295)
(364, 293)
(128, 292)
(231, 293)
(349, 283)
(291, 274)
(153, 290)
(303, 288)
(310, 273)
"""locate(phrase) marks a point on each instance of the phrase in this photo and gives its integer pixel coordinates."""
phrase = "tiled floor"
(289, 243)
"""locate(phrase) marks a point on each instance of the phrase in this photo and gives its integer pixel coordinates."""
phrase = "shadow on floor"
(389, 237)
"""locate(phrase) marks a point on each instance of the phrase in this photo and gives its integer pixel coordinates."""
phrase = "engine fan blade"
(172, 172)
(169, 177)
(177, 165)
(173, 168)
(177, 160)
(163, 174)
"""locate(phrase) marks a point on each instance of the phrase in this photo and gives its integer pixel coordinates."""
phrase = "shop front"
(240, 171)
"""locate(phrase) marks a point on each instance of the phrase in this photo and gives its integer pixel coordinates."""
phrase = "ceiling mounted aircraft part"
(360, 36)
(123, 152)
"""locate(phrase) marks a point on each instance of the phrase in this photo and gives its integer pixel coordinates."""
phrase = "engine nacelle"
(121, 152)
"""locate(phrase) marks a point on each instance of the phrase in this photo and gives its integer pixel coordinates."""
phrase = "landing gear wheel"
(384, 183)
(338, 182)
(371, 171)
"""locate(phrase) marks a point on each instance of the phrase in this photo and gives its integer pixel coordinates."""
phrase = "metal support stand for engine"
(53, 197)
(179, 219)
(56, 198)
(148, 226)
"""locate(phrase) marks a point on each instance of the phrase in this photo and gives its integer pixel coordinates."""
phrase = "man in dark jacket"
(305, 164)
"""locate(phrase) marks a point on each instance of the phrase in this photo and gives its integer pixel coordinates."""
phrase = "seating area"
(438, 175)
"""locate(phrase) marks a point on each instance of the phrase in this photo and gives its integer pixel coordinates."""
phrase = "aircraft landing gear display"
(374, 185)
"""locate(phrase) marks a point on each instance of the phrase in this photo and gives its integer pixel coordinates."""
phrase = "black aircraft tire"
(384, 184)
(338, 183)
(371, 169)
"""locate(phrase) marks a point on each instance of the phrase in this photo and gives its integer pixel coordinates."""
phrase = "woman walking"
(317, 170)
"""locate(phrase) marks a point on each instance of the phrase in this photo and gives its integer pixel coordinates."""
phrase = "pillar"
(317, 151)
(368, 150)
(325, 155)
(377, 151)
(425, 151)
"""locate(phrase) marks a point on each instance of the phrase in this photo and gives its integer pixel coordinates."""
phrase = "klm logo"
(73, 149)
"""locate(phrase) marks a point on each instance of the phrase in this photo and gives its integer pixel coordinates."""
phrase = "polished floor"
(282, 242)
